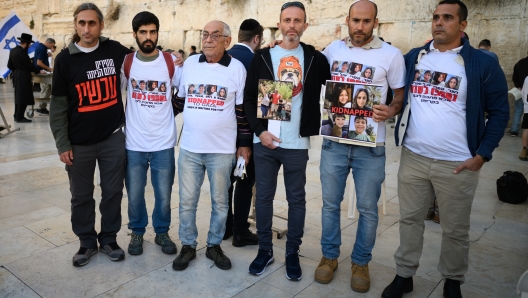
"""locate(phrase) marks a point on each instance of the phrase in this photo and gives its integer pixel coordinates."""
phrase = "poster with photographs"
(435, 86)
(275, 100)
(352, 72)
(347, 113)
(150, 93)
(206, 97)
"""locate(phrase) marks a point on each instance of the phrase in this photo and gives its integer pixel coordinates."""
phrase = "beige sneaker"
(360, 281)
(524, 154)
(325, 271)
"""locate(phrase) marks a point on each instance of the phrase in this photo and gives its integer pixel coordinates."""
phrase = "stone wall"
(405, 23)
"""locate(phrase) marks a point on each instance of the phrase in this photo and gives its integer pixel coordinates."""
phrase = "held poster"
(347, 112)
(275, 100)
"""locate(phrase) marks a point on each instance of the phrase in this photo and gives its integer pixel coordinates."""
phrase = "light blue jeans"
(162, 170)
(191, 173)
(517, 114)
(368, 170)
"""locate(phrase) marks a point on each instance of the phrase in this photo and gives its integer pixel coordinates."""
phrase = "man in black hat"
(249, 40)
(22, 68)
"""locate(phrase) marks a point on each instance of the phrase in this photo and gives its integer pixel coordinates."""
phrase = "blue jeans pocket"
(377, 151)
(327, 144)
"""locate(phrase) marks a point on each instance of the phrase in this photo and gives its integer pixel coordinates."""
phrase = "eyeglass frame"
(206, 35)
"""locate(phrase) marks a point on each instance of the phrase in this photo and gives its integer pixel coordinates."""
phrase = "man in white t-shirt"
(150, 136)
(208, 141)
(367, 163)
(447, 132)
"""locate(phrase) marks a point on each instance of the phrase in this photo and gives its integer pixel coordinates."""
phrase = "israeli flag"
(12, 27)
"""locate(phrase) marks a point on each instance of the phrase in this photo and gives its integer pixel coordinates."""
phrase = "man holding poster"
(305, 69)
(367, 163)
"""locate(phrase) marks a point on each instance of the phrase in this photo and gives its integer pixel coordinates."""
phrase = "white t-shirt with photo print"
(437, 124)
(387, 63)
(210, 124)
(150, 124)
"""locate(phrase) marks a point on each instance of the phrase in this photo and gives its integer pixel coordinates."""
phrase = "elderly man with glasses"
(289, 148)
(208, 141)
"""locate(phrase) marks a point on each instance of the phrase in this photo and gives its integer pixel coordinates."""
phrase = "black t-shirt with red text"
(91, 82)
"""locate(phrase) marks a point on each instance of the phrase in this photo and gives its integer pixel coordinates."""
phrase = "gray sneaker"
(167, 245)
(82, 257)
(114, 252)
(135, 247)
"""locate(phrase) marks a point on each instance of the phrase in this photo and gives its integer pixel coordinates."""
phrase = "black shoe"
(259, 264)
(43, 111)
(23, 120)
(293, 268)
(514, 134)
(452, 289)
(82, 257)
(186, 255)
(398, 287)
(245, 238)
(135, 247)
(216, 254)
(228, 233)
(114, 252)
(167, 245)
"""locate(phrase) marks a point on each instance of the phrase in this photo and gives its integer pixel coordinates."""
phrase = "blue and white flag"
(12, 27)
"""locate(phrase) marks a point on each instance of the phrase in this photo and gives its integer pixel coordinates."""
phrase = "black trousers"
(237, 219)
(110, 156)
(19, 111)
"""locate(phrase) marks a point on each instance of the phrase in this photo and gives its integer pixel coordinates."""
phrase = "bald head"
(364, 6)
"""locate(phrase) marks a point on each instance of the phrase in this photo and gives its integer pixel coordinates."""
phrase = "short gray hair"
(227, 30)
(50, 40)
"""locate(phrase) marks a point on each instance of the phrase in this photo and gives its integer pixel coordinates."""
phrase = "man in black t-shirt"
(86, 118)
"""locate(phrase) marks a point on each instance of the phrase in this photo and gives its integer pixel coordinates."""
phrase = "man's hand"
(179, 60)
(67, 157)
(42, 71)
(245, 152)
(383, 112)
(472, 164)
(266, 139)
(274, 43)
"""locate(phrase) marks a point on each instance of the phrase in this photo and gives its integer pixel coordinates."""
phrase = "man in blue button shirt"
(41, 61)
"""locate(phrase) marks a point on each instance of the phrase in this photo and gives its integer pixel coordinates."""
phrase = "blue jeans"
(264, 110)
(368, 170)
(191, 173)
(517, 113)
(267, 165)
(162, 168)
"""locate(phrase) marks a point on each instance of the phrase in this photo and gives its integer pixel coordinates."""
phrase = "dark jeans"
(267, 165)
(19, 111)
(237, 219)
(110, 155)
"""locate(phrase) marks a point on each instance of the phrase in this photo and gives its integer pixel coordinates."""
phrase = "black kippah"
(249, 25)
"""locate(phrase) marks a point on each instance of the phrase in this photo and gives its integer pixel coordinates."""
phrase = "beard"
(147, 49)
(360, 40)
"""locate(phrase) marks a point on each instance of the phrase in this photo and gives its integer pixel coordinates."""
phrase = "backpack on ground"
(512, 188)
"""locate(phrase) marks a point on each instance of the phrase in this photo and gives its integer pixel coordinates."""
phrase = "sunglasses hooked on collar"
(293, 4)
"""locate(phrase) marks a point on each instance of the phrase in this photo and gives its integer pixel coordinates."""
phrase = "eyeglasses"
(214, 36)
(293, 4)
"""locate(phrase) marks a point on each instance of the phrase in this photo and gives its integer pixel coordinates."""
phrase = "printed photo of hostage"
(153, 86)
(453, 82)
(439, 79)
(363, 130)
(355, 69)
(334, 126)
(275, 100)
(347, 118)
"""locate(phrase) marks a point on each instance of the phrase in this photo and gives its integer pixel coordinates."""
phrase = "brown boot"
(436, 218)
(360, 281)
(524, 154)
(325, 271)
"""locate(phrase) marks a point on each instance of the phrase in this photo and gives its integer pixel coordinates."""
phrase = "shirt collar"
(225, 60)
(375, 43)
(245, 45)
(433, 49)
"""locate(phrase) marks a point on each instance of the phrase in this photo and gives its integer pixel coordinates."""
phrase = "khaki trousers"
(419, 178)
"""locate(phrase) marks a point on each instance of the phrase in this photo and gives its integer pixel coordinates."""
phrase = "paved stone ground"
(37, 244)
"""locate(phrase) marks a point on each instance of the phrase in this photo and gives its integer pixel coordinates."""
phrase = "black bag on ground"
(512, 188)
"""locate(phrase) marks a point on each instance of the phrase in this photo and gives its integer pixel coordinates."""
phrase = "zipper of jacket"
(268, 66)
(304, 81)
